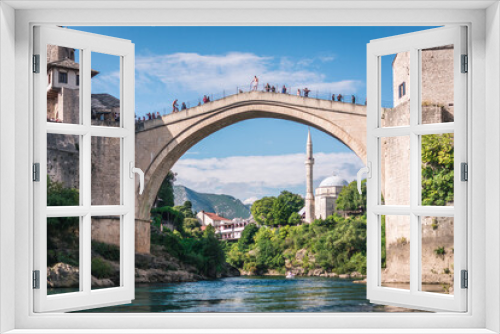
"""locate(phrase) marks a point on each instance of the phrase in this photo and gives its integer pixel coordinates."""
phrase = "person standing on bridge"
(175, 106)
(339, 97)
(353, 99)
(283, 90)
(183, 106)
(306, 92)
(333, 97)
(298, 91)
(255, 83)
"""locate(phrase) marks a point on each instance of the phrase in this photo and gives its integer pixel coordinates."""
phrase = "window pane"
(105, 265)
(63, 90)
(437, 85)
(106, 86)
(395, 170)
(106, 171)
(395, 92)
(63, 170)
(437, 254)
(63, 255)
(437, 169)
(395, 251)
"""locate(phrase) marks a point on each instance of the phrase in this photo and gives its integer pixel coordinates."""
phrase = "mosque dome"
(333, 181)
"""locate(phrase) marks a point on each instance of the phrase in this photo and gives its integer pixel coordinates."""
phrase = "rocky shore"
(158, 267)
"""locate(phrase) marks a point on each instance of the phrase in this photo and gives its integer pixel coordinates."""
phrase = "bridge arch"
(161, 143)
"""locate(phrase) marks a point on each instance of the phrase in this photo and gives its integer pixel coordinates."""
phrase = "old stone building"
(320, 204)
(327, 194)
(63, 85)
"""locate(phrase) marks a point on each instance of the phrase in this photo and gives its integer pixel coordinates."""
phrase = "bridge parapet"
(285, 100)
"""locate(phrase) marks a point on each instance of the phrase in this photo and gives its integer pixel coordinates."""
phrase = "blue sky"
(258, 157)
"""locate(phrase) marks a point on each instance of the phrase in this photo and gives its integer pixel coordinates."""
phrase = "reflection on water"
(253, 294)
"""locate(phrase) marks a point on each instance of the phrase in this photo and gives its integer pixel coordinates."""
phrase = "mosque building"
(321, 204)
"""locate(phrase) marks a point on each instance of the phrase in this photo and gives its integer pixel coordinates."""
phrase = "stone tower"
(310, 210)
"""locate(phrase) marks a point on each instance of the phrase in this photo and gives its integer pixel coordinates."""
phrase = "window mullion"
(414, 171)
(86, 167)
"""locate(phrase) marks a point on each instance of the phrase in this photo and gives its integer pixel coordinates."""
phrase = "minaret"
(309, 180)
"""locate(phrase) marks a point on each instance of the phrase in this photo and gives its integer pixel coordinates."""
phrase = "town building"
(226, 228)
(327, 194)
(63, 91)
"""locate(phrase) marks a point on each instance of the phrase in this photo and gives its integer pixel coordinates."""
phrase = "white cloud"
(250, 200)
(210, 74)
(107, 83)
(256, 176)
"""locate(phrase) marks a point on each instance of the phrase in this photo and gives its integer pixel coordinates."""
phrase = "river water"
(253, 294)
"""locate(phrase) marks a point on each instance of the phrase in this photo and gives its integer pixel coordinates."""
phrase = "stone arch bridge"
(161, 142)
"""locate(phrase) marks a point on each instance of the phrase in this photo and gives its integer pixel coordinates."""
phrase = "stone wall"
(63, 166)
(401, 74)
(437, 233)
(70, 101)
(395, 187)
(107, 229)
(63, 159)
(105, 169)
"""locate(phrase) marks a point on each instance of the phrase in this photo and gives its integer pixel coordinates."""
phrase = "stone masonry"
(437, 107)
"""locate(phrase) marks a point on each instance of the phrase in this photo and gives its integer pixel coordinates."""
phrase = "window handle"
(368, 171)
(134, 170)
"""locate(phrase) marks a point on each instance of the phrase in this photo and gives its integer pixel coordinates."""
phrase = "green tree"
(166, 193)
(437, 169)
(350, 200)
(247, 236)
(294, 219)
(284, 206)
(186, 209)
(262, 210)
(170, 215)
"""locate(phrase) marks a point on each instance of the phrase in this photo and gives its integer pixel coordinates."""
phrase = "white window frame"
(414, 43)
(87, 43)
(483, 51)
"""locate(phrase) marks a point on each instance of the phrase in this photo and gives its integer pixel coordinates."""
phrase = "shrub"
(101, 269)
(108, 251)
(439, 251)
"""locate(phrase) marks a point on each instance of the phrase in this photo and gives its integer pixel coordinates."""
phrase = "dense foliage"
(186, 209)
(349, 199)
(170, 215)
(165, 195)
(187, 242)
(336, 244)
(62, 232)
(195, 247)
(437, 169)
(277, 211)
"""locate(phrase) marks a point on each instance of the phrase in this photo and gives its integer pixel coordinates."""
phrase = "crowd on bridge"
(254, 86)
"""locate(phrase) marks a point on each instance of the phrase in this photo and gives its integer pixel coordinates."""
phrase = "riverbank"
(300, 272)
(157, 267)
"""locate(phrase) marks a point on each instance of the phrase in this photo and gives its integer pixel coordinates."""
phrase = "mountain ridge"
(224, 205)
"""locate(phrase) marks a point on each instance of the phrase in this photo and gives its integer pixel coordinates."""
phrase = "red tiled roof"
(213, 216)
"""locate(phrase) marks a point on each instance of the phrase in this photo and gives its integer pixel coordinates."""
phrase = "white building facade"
(226, 228)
